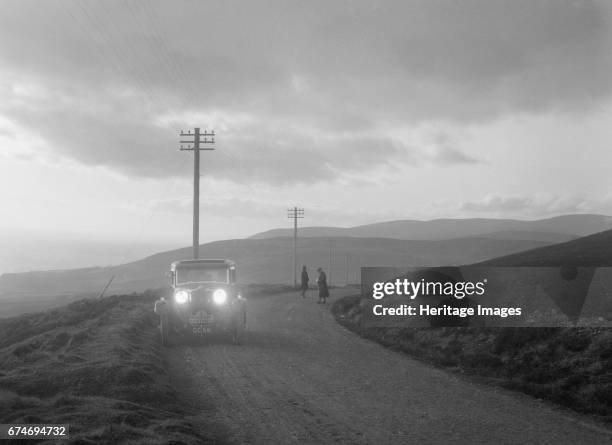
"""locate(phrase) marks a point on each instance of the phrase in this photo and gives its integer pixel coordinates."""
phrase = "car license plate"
(201, 318)
(200, 330)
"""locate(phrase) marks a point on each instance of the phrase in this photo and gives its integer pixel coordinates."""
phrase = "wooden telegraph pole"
(295, 213)
(329, 276)
(346, 268)
(198, 138)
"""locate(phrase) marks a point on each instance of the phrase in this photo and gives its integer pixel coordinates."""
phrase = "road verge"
(97, 365)
(571, 367)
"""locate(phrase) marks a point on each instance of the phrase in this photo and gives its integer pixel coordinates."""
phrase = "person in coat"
(322, 284)
(305, 279)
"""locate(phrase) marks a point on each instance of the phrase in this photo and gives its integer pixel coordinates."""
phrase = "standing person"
(322, 283)
(305, 280)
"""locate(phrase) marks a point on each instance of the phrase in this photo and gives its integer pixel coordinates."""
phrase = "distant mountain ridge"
(269, 260)
(556, 229)
(260, 261)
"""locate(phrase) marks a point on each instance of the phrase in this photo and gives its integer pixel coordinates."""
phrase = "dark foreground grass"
(568, 366)
(97, 365)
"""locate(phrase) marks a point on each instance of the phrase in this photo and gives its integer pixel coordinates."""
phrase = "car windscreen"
(200, 274)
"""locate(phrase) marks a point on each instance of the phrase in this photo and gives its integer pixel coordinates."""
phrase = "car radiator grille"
(201, 299)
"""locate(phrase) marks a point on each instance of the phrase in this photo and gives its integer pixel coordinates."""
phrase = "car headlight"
(181, 296)
(219, 296)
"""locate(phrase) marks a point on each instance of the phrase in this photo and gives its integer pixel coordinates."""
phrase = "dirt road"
(302, 378)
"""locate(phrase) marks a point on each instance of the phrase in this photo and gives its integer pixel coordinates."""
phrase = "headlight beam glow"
(181, 296)
(219, 296)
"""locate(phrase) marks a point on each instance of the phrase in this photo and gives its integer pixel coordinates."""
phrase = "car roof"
(219, 262)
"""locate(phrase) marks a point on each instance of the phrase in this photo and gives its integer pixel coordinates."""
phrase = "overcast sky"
(358, 111)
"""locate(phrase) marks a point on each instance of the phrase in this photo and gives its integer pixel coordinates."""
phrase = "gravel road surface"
(302, 378)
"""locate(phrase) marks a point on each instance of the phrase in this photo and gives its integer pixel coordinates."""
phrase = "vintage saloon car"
(204, 299)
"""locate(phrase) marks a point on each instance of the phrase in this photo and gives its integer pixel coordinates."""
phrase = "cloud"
(445, 151)
(449, 155)
(537, 206)
(297, 90)
(114, 135)
(416, 56)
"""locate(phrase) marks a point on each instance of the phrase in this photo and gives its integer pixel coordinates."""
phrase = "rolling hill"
(258, 261)
(557, 229)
